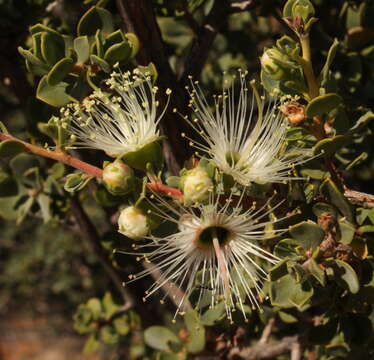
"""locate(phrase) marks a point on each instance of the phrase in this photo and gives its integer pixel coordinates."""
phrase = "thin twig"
(175, 294)
(267, 331)
(296, 351)
(89, 233)
(264, 351)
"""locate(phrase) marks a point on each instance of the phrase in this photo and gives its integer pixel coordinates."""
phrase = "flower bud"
(196, 185)
(271, 63)
(303, 9)
(133, 223)
(118, 178)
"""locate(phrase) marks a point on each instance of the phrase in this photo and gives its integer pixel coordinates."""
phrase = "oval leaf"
(11, 148)
(323, 105)
(308, 234)
(59, 71)
(159, 337)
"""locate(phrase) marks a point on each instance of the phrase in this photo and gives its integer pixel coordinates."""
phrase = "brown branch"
(174, 293)
(89, 233)
(85, 167)
(267, 331)
(265, 351)
(58, 156)
(138, 17)
(200, 47)
(359, 198)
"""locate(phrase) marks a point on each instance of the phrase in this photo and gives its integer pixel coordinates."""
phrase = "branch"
(265, 351)
(359, 198)
(58, 156)
(200, 47)
(138, 16)
(89, 233)
(87, 168)
(175, 294)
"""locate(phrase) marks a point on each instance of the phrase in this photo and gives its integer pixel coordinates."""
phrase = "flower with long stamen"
(119, 122)
(217, 249)
(249, 148)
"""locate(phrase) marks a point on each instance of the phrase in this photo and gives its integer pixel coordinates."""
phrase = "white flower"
(133, 223)
(249, 148)
(216, 249)
(117, 124)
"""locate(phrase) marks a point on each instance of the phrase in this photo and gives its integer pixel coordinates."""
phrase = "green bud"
(304, 9)
(118, 178)
(133, 223)
(271, 63)
(196, 185)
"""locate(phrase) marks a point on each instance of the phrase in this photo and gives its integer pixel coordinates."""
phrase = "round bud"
(196, 185)
(271, 63)
(133, 223)
(118, 178)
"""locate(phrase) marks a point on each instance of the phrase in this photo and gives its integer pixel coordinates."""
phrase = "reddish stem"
(166, 190)
(83, 166)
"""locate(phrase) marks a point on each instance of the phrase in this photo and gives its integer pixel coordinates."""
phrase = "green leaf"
(286, 292)
(196, 332)
(29, 56)
(44, 202)
(76, 182)
(91, 345)
(347, 232)
(134, 42)
(100, 62)
(286, 248)
(316, 272)
(149, 153)
(11, 148)
(53, 95)
(82, 48)
(361, 123)
(159, 337)
(121, 325)
(52, 47)
(279, 270)
(8, 185)
(109, 307)
(335, 197)
(94, 305)
(213, 314)
(329, 60)
(114, 38)
(320, 208)
(308, 234)
(59, 71)
(330, 146)
(322, 104)
(344, 271)
(109, 335)
(40, 28)
(95, 18)
(271, 85)
(118, 53)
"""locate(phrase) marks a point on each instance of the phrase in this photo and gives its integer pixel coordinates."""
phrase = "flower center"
(206, 236)
(232, 158)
